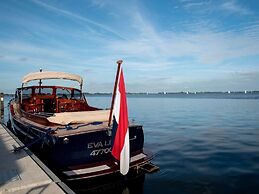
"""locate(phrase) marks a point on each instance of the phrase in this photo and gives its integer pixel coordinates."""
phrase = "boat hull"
(82, 155)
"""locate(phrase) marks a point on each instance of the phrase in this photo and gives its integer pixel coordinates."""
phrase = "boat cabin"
(51, 99)
(55, 105)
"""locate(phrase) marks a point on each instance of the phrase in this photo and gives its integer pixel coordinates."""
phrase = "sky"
(166, 45)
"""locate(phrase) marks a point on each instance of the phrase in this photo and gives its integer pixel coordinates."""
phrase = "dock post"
(1, 106)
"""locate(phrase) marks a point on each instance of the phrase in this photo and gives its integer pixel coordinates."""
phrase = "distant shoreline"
(168, 93)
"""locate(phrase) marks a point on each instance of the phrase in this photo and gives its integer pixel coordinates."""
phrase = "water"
(202, 145)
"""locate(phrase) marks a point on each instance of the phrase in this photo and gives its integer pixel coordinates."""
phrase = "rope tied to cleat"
(49, 131)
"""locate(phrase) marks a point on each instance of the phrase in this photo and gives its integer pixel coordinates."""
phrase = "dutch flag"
(120, 132)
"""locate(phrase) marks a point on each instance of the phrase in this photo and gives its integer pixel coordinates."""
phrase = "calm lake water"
(204, 144)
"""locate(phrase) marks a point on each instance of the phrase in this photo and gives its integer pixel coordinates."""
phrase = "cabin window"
(43, 91)
(63, 93)
(76, 95)
(26, 93)
(17, 94)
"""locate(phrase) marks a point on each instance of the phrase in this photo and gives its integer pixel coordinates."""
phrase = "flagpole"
(119, 62)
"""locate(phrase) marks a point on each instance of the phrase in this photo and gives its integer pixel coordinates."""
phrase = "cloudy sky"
(169, 45)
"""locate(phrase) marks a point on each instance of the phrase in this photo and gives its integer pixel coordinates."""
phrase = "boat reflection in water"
(133, 183)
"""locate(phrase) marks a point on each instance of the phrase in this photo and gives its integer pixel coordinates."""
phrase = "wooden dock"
(23, 172)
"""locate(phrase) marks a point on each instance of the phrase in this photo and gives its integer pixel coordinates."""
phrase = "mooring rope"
(16, 149)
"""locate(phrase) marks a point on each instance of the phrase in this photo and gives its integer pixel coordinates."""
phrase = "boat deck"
(61, 131)
(20, 171)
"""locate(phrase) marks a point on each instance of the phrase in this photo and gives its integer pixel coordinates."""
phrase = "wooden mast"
(119, 62)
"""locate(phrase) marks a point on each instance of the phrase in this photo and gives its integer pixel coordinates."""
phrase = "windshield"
(63, 93)
(43, 91)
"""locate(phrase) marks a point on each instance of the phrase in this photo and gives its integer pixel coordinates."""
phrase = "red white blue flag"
(120, 132)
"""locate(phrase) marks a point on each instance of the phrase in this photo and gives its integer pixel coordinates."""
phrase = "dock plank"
(18, 171)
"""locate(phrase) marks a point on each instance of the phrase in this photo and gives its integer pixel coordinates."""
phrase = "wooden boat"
(73, 135)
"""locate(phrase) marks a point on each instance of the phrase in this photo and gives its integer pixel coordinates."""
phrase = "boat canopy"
(51, 75)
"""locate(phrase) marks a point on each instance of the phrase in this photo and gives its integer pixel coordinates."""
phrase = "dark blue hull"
(78, 150)
(90, 148)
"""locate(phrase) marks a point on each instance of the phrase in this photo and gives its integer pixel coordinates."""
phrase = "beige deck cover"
(51, 75)
(66, 118)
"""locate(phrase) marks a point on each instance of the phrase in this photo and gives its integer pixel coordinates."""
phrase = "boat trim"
(86, 170)
(138, 157)
(102, 169)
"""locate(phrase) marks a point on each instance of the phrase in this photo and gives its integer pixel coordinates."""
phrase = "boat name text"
(100, 147)
(99, 144)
